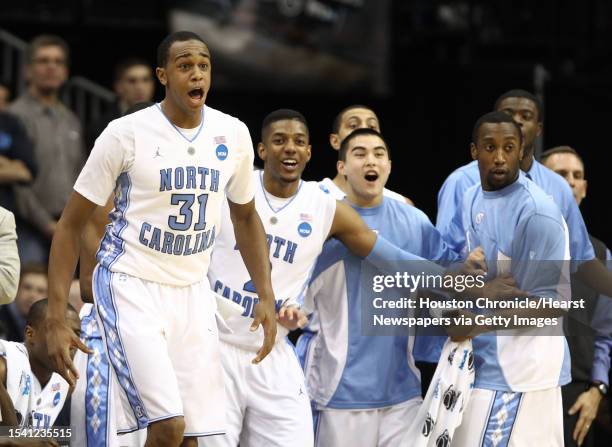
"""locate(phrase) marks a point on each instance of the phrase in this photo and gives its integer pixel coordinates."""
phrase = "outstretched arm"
(251, 241)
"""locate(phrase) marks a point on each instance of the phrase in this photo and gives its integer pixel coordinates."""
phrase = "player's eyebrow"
(190, 54)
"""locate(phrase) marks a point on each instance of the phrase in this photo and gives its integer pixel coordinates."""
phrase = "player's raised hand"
(60, 340)
(265, 315)
(292, 317)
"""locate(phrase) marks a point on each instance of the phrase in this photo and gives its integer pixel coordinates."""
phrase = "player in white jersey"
(353, 117)
(171, 167)
(298, 217)
(26, 373)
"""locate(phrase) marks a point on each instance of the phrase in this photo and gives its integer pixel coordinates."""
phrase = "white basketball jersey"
(35, 406)
(330, 187)
(295, 232)
(168, 189)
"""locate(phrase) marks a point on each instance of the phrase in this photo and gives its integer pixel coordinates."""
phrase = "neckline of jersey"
(263, 188)
(178, 130)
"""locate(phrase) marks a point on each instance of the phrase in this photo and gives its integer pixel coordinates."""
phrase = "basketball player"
(525, 108)
(171, 166)
(349, 119)
(37, 393)
(365, 388)
(516, 400)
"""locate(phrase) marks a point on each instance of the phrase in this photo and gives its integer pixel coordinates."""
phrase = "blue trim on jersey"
(303, 346)
(266, 195)
(501, 419)
(178, 130)
(100, 393)
(107, 309)
(113, 245)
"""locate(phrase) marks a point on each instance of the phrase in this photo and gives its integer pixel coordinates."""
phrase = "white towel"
(449, 392)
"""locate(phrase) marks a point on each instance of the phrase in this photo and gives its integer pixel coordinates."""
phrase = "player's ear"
(261, 151)
(161, 76)
(29, 332)
(340, 167)
(334, 141)
(308, 153)
(540, 127)
(586, 184)
(473, 151)
(522, 151)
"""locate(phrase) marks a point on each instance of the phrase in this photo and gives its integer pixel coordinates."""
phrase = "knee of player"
(168, 431)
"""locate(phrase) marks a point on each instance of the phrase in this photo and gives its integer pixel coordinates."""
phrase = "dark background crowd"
(429, 68)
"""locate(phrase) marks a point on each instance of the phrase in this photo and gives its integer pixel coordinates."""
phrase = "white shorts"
(267, 403)
(498, 418)
(381, 427)
(163, 346)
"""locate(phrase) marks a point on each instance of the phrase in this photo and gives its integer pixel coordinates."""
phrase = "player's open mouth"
(196, 93)
(290, 164)
(371, 176)
(499, 172)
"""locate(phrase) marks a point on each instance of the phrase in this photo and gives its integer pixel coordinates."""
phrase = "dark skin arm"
(595, 275)
(251, 241)
(90, 241)
(62, 263)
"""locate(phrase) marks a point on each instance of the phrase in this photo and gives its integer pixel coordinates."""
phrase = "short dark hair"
(560, 150)
(38, 312)
(178, 36)
(338, 118)
(126, 64)
(495, 118)
(47, 40)
(519, 93)
(357, 133)
(279, 115)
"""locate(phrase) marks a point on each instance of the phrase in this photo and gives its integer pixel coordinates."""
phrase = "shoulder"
(217, 118)
(19, 107)
(537, 201)
(394, 195)
(467, 173)
(555, 184)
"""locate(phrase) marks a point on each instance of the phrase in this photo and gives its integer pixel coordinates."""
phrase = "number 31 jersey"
(296, 229)
(168, 191)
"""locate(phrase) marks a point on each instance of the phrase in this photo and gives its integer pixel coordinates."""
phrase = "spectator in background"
(5, 96)
(32, 288)
(589, 340)
(16, 159)
(58, 146)
(133, 84)
(9, 260)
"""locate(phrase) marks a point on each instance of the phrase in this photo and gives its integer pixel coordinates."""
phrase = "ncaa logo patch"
(56, 399)
(221, 152)
(304, 229)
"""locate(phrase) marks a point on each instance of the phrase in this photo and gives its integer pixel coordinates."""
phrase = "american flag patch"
(220, 140)
(306, 217)
(55, 387)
